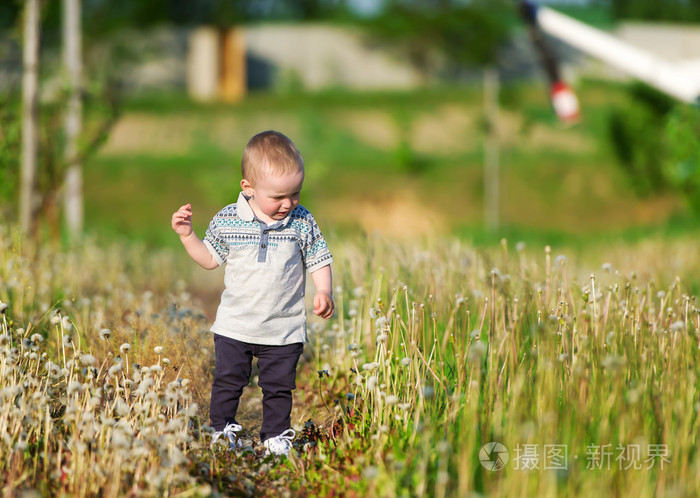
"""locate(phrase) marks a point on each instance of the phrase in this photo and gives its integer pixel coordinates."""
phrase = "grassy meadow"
(583, 368)
(371, 160)
(555, 356)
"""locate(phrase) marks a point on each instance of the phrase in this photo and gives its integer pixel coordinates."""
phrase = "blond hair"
(270, 152)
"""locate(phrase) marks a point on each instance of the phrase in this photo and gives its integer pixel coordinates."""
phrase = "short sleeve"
(215, 242)
(316, 252)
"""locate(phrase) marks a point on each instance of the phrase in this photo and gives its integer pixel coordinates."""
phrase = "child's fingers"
(323, 306)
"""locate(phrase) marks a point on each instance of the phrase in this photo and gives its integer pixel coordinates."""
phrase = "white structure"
(321, 56)
(203, 64)
(680, 80)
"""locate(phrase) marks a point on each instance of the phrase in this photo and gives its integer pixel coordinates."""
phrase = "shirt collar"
(245, 212)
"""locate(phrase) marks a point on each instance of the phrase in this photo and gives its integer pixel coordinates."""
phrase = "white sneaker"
(230, 432)
(280, 445)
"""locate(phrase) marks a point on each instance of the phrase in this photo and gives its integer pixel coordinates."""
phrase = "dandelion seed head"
(405, 361)
(678, 326)
(158, 350)
(88, 360)
(613, 363)
(115, 369)
(477, 351)
(371, 472)
(74, 387)
(104, 334)
(443, 446)
(124, 348)
(372, 382)
(392, 399)
(55, 320)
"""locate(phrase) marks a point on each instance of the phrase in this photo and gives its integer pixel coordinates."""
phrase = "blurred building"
(281, 57)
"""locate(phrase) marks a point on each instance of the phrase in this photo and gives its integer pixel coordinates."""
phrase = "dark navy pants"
(277, 377)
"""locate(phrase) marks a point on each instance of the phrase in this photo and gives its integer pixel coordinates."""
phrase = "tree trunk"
(73, 182)
(30, 135)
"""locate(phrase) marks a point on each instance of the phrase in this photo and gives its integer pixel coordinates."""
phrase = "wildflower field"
(448, 370)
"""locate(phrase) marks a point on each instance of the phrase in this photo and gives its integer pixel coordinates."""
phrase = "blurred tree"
(450, 33)
(635, 129)
(657, 142)
(682, 161)
(10, 151)
(655, 10)
(107, 16)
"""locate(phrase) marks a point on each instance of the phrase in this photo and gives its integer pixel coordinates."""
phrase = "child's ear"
(247, 188)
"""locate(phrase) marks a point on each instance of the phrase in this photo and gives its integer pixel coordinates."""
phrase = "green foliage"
(635, 131)
(653, 10)
(109, 16)
(10, 143)
(682, 165)
(656, 142)
(101, 111)
(464, 33)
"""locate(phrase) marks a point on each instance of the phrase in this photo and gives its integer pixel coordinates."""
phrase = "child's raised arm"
(182, 224)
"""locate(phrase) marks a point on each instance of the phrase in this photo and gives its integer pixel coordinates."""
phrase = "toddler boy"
(268, 242)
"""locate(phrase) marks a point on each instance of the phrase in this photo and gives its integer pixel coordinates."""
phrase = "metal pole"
(491, 149)
(73, 186)
(30, 87)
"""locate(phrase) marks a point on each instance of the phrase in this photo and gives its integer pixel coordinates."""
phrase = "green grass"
(437, 348)
(553, 179)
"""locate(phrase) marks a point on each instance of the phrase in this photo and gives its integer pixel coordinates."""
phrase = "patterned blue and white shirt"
(265, 275)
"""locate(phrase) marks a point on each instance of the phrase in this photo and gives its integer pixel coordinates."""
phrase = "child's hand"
(182, 220)
(323, 305)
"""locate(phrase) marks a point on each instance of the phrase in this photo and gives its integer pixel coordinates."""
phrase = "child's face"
(274, 196)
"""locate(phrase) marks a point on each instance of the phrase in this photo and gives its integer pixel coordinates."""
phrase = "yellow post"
(232, 82)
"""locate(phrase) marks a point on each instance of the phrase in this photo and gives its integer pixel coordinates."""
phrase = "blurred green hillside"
(400, 163)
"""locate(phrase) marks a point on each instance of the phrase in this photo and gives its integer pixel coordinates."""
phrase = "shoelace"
(230, 433)
(231, 429)
(282, 443)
